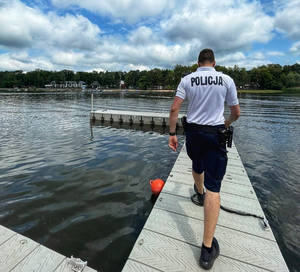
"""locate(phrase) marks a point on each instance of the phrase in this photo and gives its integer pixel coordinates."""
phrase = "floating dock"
(132, 117)
(172, 236)
(21, 254)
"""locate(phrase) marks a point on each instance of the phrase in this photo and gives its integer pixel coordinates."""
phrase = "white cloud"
(230, 59)
(72, 32)
(295, 49)
(142, 36)
(242, 61)
(22, 61)
(287, 19)
(155, 34)
(67, 58)
(22, 24)
(257, 56)
(275, 53)
(26, 27)
(221, 25)
(130, 11)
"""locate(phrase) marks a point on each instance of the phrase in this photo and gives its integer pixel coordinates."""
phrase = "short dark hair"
(206, 55)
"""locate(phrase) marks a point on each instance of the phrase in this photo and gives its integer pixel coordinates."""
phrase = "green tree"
(155, 78)
(179, 72)
(143, 81)
(293, 80)
(194, 67)
(9, 80)
(131, 78)
(296, 68)
(170, 80)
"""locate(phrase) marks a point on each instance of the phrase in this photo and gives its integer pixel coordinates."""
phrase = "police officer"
(206, 91)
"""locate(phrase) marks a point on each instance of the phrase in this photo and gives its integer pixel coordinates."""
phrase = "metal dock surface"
(172, 236)
(21, 254)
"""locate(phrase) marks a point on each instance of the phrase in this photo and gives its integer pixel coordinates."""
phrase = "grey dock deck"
(172, 236)
(21, 254)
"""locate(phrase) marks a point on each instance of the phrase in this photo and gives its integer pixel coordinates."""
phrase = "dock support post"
(92, 101)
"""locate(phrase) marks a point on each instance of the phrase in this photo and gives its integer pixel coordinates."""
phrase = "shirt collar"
(206, 68)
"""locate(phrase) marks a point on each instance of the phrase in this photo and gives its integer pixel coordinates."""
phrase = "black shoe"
(207, 259)
(198, 199)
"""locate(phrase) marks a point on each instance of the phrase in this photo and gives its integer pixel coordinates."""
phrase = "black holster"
(226, 135)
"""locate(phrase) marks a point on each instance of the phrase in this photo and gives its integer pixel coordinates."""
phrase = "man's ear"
(214, 63)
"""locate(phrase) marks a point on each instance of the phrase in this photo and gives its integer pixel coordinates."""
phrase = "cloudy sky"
(113, 35)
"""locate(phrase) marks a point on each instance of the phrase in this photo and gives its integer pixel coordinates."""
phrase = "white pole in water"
(92, 102)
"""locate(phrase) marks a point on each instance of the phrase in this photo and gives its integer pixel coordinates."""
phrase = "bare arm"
(173, 142)
(235, 112)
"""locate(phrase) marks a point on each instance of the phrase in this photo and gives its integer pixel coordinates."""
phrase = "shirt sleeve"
(231, 96)
(181, 90)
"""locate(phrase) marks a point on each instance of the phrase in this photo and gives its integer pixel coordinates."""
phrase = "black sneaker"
(207, 259)
(198, 199)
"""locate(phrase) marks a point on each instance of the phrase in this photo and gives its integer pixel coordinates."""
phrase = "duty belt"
(225, 134)
(202, 128)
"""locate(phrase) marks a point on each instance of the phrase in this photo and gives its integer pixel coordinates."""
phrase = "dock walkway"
(172, 236)
(147, 118)
(21, 254)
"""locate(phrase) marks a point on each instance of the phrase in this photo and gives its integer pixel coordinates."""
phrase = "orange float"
(156, 186)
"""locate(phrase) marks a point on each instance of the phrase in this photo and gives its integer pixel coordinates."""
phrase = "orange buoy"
(156, 186)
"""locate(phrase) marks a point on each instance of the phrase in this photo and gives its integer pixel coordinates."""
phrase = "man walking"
(206, 91)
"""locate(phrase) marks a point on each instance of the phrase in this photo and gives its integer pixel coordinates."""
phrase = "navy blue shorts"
(208, 155)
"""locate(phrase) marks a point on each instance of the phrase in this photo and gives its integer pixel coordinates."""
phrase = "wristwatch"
(172, 133)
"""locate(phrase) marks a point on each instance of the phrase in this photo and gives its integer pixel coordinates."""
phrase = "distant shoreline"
(41, 90)
(87, 90)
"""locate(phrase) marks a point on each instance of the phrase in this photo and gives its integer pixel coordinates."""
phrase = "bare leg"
(199, 178)
(211, 214)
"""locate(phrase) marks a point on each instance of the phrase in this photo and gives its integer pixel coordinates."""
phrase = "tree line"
(271, 77)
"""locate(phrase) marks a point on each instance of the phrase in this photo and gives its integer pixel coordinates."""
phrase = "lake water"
(84, 190)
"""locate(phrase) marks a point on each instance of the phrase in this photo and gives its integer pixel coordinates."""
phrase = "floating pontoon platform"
(132, 117)
(21, 254)
(172, 236)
